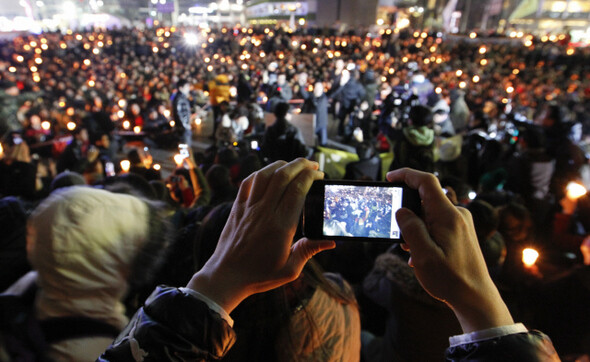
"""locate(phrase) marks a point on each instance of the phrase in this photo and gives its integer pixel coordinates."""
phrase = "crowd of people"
(362, 212)
(501, 122)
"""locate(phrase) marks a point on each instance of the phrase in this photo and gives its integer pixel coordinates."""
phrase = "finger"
(301, 252)
(293, 198)
(415, 234)
(261, 180)
(427, 185)
(284, 176)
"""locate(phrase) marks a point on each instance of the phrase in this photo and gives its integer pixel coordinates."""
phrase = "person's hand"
(92, 154)
(255, 251)
(446, 255)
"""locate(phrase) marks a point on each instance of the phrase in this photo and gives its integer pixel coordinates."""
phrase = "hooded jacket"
(83, 243)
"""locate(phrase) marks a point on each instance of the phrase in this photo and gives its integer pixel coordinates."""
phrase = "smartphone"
(109, 169)
(183, 150)
(356, 210)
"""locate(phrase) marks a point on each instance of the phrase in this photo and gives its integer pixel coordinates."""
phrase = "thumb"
(414, 231)
(302, 251)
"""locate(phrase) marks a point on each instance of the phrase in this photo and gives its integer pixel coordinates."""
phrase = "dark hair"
(365, 150)
(420, 116)
(130, 184)
(534, 137)
(181, 83)
(281, 110)
(485, 219)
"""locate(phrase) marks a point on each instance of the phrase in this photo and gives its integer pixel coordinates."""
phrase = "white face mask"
(318, 90)
(345, 77)
(282, 79)
(225, 121)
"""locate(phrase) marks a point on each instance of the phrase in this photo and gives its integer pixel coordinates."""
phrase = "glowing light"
(172, 124)
(426, 61)
(432, 49)
(438, 90)
(91, 83)
(210, 68)
(301, 21)
(459, 73)
(33, 69)
(122, 103)
(191, 39)
(155, 49)
(472, 195)
(46, 125)
(198, 121)
(462, 84)
(12, 69)
(126, 124)
(71, 126)
(516, 71)
(380, 22)
(473, 35)
(178, 159)
(529, 257)
(509, 89)
(125, 165)
(570, 51)
(38, 60)
(482, 50)
(136, 129)
(36, 78)
(95, 51)
(233, 92)
(475, 79)
(528, 43)
(391, 71)
(123, 75)
(87, 62)
(574, 190)
(166, 113)
(405, 59)
(483, 62)
(20, 58)
(121, 114)
(505, 100)
(44, 46)
(157, 167)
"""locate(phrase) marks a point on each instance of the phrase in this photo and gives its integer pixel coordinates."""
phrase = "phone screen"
(109, 169)
(183, 150)
(361, 211)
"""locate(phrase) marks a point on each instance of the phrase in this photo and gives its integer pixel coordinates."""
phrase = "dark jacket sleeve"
(172, 326)
(523, 347)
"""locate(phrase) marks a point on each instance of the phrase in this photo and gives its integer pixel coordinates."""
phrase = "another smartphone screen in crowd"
(361, 211)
